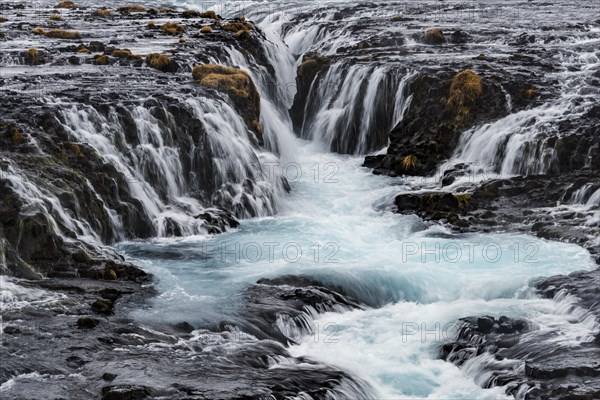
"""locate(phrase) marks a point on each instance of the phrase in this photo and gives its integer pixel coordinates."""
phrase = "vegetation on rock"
(237, 84)
(102, 12)
(237, 27)
(66, 4)
(55, 17)
(62, 34)
(434, 36)
(101, 60)
(409, 162)
(161, 62)
(209, 14)
(465, 88)
(172, 28)
(131, 9)
(206, 29)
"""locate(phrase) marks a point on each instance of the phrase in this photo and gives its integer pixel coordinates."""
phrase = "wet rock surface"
(84, 340)
(547, 189)
(110, 356)
(82, 163)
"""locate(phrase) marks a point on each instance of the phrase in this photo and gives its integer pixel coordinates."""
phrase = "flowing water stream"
(337, 225)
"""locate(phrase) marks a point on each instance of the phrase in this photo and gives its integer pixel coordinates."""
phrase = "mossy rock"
(66, 4)
(172, 28)
(237, 84)
(87, 322)
(161, 62)
(434, 36)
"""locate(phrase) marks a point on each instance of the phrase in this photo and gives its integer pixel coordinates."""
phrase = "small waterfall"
(525, 142)
(172, 169)
(353, 107)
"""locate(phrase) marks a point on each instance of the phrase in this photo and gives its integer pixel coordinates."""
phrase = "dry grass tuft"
(237, 26)
(465, 89)
(121, 53)
(165, 10)
(151, 25)
(172, 28)
(102, 12)
(38, 31)
(530, 92)
(160, 62)
(3, 19)
(209, 14)
(17, 137)
(181, 40)
(131, 9)
(434, 36)
(101, 60)
(219, 77)
(256, 127)
(66, 4)
(243, 35)
(463, 200)
(33, 53)
(409, 162)
(75, 148)
(206, 29)
(55, 17)
(190, 14)
(62, 34)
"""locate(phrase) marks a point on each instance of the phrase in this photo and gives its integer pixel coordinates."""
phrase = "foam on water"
(414, 274)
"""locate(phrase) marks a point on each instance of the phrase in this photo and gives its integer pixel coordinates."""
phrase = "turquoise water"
(416, 280)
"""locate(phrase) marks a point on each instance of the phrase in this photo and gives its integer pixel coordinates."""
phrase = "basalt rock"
(312, 67)
(443, 106)
(239, 87)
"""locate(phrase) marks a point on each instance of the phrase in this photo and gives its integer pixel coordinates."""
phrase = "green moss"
(463, 200)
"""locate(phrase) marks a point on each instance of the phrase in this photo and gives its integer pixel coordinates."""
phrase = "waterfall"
(524, 142)
(165, 165)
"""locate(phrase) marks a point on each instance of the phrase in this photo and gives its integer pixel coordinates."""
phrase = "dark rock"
(184, 327)
(11, 330)
(87, 323)
(103, 307)
(108, 376)
(75, 362)
(125, 392)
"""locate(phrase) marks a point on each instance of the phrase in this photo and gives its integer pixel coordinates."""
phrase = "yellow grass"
(62, 34)
(214, 76)
(206, 29)
(209, 14)
(132, 9)
(237, 26)
(158, 61)
(102, 12)
(171, 28)
(465, 89)
(409, 162)
(434, 36)
(66, 4)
